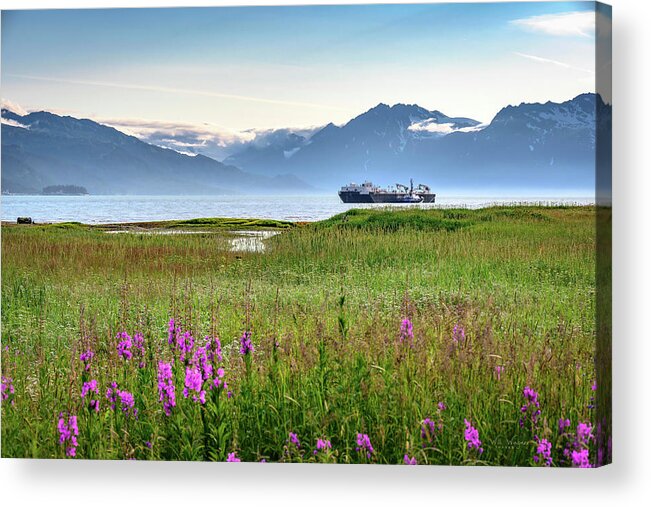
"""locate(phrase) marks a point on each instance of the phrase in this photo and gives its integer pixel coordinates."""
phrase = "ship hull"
(399, 198)
(355, 197)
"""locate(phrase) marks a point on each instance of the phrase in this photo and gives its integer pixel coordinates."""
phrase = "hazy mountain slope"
(545, 146)
(43, 149)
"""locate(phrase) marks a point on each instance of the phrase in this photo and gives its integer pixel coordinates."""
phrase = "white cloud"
(188, 138)
(476, 128)
(580, 24)
(553, 62)
(13, 107)
(13, 123)
(430, 126)
(207, 139)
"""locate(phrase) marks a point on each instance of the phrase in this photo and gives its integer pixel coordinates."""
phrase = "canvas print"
(353, 234)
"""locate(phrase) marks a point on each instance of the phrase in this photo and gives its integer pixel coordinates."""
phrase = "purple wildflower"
(86, 358)
(364, 445)
(584, 433)
(543, 452)
(7, 389)
(87, 390)
(139, 345)
(429, 430)
(458, 335)
(218, 383)
(112, 395)
(214, 347)
(148, 444)
(407, 332)
(580, 459)
(124, 345)
(185, 344)
(441, 406)
(68, 432)
(498, 372)
(246, 345)
(166, 393)
(563, 424)
(410, 461)
(127, 403)
(293, 439)
(172, 332)
(202, 361)
(472, 437)
(194, 382)
(322, 445)
(232, 458)
(531, 406)
(577, 449)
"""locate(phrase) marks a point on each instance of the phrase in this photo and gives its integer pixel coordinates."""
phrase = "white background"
(626, 482)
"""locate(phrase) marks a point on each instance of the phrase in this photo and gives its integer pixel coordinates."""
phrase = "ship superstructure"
(367, 192)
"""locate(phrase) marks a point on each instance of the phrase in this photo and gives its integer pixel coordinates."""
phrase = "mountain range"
(42, 149)
(548, 146)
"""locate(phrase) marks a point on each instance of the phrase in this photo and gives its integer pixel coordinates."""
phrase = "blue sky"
(232, 69)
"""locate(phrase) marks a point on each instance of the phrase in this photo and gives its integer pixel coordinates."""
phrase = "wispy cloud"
(207, 139)
(540, 59)
(180, 91)
(203, 138)
(581, 24)
(13, 123)
(13, 107)
(431, 127)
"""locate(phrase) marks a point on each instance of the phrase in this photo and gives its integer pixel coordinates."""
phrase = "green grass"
(324, 305)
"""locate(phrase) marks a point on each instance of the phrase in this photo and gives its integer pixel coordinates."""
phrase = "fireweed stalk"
(543, 452)
(68, 432)
(531, 408)
(471, 436)
(166, 394)
(579, 450)
(458, 336)
(293, 447)
(124, 346)
(87, 390)
(322, 446)
(409, 461)
(364, 447)
(407, 332)
(7, 390)
(139, 345)
(246, 345)
(86, 357)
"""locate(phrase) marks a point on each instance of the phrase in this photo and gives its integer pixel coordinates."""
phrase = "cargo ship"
(400, 194)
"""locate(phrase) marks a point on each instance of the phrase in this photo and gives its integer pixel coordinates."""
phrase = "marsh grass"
(324, 305)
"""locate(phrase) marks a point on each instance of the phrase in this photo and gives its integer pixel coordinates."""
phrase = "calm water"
(138, 208)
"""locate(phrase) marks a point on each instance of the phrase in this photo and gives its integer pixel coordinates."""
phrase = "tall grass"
(324, 306)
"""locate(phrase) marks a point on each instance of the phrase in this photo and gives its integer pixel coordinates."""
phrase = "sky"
(227, 71)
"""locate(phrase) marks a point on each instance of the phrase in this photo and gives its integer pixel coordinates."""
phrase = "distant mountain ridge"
(41, 149)
(545, 146)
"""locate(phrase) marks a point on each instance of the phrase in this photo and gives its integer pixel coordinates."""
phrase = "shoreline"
(233, 223)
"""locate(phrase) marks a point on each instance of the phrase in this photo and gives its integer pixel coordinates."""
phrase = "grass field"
(436, 337)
